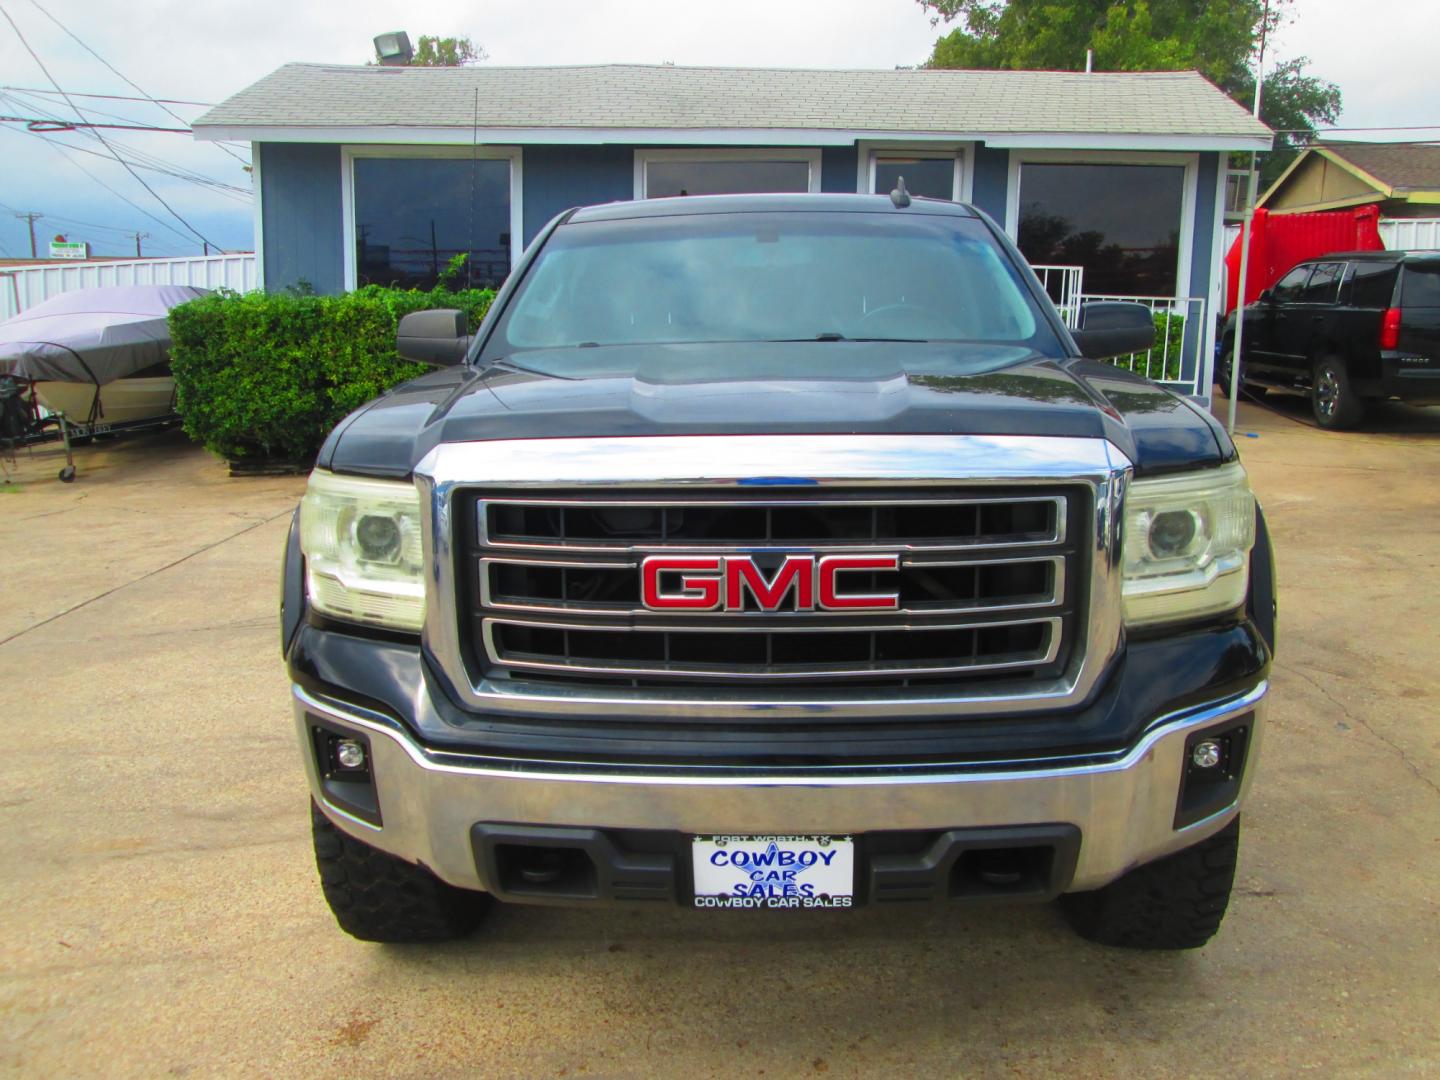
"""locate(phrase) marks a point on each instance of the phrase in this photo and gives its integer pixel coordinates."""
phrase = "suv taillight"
(1390, 329)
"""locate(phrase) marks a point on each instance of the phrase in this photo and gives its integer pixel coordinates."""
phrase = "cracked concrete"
(162, 914)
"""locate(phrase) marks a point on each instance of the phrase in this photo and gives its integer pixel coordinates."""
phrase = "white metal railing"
(1410, 234)
(1179, 337)
(23, 287)
(1064, 285)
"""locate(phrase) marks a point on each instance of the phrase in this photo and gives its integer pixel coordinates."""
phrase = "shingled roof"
(323, 103)
(1401, 167)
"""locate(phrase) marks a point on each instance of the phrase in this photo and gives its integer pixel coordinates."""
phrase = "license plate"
(773, 871)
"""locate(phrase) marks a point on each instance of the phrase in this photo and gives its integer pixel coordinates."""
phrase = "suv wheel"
(1332, 398)
(377, 897)
(1173, 903)
(1222, 374)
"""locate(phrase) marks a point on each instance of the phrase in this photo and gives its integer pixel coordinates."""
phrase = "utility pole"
(138, 237)
(1235, 348)
(31, 218)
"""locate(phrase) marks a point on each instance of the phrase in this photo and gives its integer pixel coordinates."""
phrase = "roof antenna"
(900, 197)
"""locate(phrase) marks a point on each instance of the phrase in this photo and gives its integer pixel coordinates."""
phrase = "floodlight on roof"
(394, 49)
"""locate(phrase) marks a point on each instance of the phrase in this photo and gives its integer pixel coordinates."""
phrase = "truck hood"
(776, 388)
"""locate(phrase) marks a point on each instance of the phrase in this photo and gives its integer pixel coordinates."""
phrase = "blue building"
(1113, 181)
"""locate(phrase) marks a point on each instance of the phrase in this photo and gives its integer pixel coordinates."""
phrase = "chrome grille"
(986, 584)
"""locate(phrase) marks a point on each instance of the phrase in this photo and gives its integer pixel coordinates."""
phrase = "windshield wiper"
(835, 335)
(506, 362)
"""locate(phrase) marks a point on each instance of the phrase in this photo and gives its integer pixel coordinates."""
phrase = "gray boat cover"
(92, 335)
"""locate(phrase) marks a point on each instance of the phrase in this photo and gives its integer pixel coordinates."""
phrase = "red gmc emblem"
(724, 582)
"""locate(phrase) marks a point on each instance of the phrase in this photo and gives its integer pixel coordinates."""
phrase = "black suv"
(1346, 329)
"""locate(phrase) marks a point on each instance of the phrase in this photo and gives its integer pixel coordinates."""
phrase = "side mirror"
(1113, 328)
(433, 337)
(1265, 297)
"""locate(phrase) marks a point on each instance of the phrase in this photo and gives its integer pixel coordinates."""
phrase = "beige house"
(1402, 179)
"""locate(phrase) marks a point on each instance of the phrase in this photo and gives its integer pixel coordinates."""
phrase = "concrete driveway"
(161, 914)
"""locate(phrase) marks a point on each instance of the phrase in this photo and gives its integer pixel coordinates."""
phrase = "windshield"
(690, 279)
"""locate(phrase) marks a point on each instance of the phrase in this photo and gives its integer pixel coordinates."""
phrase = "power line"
(69, 221)
(138, 179)
(110, 97)
(1329, 130)
(23, 99)
(144, 161)
(70, 125)
(59, 148)
(143, 158)
(85, 224)
(112, 67)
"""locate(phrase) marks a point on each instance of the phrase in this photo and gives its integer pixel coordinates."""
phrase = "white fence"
(1410, 234)
(1179, 334)
(1064, 284)
(23, 287)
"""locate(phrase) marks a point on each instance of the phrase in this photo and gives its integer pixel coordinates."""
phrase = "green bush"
(1162, 366)
(261, 376)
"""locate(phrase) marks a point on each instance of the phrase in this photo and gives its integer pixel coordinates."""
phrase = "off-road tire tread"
(1173, 903)
(378, 897)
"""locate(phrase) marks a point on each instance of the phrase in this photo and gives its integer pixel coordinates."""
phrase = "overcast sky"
(204, 52)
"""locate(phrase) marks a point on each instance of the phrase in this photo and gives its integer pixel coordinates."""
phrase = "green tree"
(433, 51)
(1218, 38)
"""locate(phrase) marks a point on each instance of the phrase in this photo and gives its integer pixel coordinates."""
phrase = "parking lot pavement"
(162, 916)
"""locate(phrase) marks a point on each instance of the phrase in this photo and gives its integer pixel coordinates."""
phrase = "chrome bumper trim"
(1124, 807)
(678, 464)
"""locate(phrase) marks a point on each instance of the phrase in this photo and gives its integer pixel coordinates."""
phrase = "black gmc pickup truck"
(778, 552)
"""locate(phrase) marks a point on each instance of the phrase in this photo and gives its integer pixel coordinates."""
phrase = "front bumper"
(1125, 808)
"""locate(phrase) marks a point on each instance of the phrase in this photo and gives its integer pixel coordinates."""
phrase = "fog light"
(1206, 754)
(1214, 764)
(351, 755)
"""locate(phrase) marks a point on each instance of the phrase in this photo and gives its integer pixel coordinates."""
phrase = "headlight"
(1187, 545)
(361, 540)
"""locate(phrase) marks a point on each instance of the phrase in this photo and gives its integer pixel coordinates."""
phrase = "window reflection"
(413, 215)
(1324, 283)
(664, 179)
(1120, 222)
(931, 177)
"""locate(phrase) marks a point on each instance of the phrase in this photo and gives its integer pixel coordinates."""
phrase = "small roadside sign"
(68, 249)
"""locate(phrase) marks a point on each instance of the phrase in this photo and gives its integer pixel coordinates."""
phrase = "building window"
(933, 176)
(412, 215)
(665, 174)
(1121, 222)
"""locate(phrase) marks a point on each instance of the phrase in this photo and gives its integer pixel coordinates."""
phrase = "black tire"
(377, 897)
(1332, 398)
(1174, 903)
